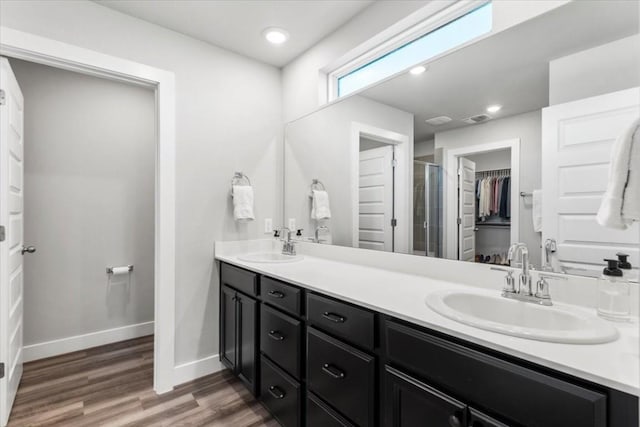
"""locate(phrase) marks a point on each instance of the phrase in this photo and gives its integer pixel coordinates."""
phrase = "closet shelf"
(496, 224)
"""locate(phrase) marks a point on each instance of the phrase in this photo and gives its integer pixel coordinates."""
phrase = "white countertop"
(401, 295)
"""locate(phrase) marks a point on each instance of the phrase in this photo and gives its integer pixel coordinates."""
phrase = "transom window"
(473, 24)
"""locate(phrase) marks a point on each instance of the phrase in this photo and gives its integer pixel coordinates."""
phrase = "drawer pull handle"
(335, 318)
(276, 392)
(276, 294)
(275, 335)
(332, 371)
(454, 421)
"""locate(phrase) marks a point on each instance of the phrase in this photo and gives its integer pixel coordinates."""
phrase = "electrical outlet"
(292, 224)
(268, 225)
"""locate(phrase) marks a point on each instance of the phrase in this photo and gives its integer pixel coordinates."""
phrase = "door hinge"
(394, 222)
(394, 163)
(459, 221)
(2, 98)
(3, 233)
(1, 370)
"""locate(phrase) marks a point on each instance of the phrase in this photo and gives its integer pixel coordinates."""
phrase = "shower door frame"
(41, 50)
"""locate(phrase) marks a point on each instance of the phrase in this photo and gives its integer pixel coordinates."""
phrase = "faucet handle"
(510, 281)
(542, 286)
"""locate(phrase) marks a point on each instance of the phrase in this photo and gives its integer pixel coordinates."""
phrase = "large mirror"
(505, 140)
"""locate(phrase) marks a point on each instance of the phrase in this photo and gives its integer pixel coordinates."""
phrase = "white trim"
(426, 19)
(404, 170)
(82, 342)
(18, 44)
(450, 186)
(198, 368)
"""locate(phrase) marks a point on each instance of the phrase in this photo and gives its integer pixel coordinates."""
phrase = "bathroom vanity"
(316, 358)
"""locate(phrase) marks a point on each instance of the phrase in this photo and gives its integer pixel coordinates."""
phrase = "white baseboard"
(81, 342)
(198, 368)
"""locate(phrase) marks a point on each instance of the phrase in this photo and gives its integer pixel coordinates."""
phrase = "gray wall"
(608, 68)
(228, 117)
(89, 202)
(319, 146)
(527, 127)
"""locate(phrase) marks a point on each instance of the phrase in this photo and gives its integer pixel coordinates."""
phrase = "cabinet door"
(409, 403)
(228, 328)
(247, 340)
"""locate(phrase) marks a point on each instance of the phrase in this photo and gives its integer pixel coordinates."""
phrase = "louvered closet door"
(577, 138)
(11, 216)
(466, 210)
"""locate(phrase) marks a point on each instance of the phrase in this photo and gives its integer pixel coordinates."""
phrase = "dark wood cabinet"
(491, 382)
(326, 363)
(239, 335)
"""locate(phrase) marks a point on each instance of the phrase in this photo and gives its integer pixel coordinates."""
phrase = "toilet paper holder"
(129, 268)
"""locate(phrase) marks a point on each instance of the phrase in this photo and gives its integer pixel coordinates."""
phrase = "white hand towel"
(320, 205)
(243, 203)
(621, 202)
(536, 211)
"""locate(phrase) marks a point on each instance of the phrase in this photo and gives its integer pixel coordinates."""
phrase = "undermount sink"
(270, 257)
(560, 324)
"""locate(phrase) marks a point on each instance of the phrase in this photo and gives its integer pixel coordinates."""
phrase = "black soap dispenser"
(614, 299)
(626, 267)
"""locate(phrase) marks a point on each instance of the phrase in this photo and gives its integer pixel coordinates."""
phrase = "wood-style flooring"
(112, 385)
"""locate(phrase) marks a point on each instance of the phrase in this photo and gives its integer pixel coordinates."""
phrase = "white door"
(376, 199)
(11, 217)
(466, 210)
(577, 138)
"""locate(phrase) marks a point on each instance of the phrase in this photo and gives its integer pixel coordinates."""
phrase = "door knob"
(28, 249)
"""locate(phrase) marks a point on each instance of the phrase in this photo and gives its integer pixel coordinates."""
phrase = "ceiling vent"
(437, 121)
(477, 119)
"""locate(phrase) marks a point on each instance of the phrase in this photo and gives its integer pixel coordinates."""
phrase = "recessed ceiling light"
(275, 35)
(418, 70)
(494, 108)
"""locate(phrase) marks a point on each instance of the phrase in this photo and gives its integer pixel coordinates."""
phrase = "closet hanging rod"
(524, 194)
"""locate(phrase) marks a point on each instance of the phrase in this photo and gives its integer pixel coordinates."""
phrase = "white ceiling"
(237, 25)
(510, 68)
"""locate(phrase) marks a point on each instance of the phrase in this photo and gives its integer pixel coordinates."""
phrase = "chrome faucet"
(519, 257)
(288, 244)
(317, 237)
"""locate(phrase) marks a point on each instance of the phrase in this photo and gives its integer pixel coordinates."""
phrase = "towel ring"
(239, 178)
(316, 184)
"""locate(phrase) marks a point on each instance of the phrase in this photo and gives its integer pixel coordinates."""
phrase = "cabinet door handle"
(454, 421)
(276, 392)
(333, 372)
(276, 294)
(275, 335)
(335, 318)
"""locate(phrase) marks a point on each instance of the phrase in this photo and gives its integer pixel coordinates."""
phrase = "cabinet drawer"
(280, 394)
(319, 414)
(520, 394)
(280, 339)
(342, 376)
(242, 280)
(287, 297)
(354, 324)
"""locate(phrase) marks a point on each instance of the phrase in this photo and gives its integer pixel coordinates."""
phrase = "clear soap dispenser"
(614, 299)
